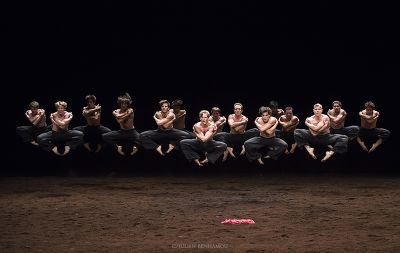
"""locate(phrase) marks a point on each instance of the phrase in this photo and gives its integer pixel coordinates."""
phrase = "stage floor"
(183, 213)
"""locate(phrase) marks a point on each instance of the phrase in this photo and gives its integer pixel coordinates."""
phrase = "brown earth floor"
(293, 213)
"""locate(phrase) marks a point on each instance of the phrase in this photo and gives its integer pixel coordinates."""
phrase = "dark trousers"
(382, 133)
(349, 131)
(288, 137)
(338, 141)
(48, 140)
(254, 145)
(192, 147)
(151, 139)
(122, 137)
(239, 139)
(92, 134)
(30, 133)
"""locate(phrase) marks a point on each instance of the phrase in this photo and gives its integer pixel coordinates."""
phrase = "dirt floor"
(183, 213)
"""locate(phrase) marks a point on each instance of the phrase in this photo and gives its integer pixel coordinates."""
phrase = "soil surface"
(183, 213)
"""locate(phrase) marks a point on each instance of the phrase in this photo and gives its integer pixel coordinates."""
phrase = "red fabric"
(238, 221)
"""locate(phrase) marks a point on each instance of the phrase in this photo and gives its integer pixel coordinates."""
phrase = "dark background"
(206, 54)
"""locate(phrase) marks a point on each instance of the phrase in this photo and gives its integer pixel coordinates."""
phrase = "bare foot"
(98, 148)
(310, 151)
(34, 143)
(170, 148)
(364, 147)
(160, 151)
(66, 150)
(373, 147)
(119, 150)
(197, 162)
(328, 154)
(55, 151)
(230, 150)
(293, 148)
(243, 151)
(134, 150)
(362, 144)
(330, 147)
(225, 156)
(87, 146)
(204, 161)
(260, 161)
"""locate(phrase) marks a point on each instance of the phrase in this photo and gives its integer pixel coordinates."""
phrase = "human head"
(204, 115)
(289, 112)
(124, 100)
(89, 98)
(238, 108)
(177, 103)
(215, 111)
(164, 105)
(318, 109)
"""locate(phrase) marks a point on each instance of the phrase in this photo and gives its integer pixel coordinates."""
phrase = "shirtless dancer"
(37, 118)
(60, 121)
(93, 130)
(289, 123)
(204, 143)
(267, 126)
(127, 132)
(369, 117)
(164, 118)
(318, 134)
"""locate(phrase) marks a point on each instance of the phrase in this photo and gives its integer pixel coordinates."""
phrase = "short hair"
(34, 104)
(164, 101)
(60, 103)
(239, 104)
(369, 104)
(264, 109)
(90, 97)
(204, 111)
(337, 102)
(317, 105)
(177, 102)
(288, 108)
(124, 99)
(273, 104)
(215, 109)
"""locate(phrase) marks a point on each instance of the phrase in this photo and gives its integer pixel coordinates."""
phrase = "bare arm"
(89, 113)
(259, 125)
(325, 124)
(234, 124)
(272, 126)
(220, 121)
(337, 119)
(179, 115)
(37, 118)
(160, 122)
(204, 137)
(121, 117)
(61, 123)
(369, 118)
(310, 125)
(293, 122)
(284, 124)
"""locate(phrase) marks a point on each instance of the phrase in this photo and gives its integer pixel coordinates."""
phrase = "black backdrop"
(207, 55)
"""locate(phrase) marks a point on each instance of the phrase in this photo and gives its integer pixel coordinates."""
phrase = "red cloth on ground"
(238, 221)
